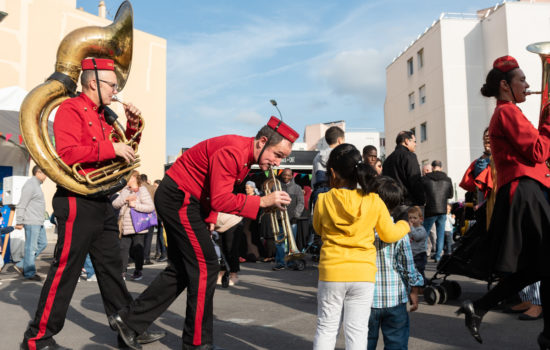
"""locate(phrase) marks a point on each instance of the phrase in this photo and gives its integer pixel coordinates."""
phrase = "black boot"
(473, 318)
(128, 336)
(544, 342)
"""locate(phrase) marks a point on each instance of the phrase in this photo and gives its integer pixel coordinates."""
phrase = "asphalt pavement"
(265, 310)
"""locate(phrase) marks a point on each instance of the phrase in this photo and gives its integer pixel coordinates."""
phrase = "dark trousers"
(193, 264)
(231, 240)
(394, 323)
(420, 261)
(148, 241)
(84, 225)
(132, 245)
(161, 244)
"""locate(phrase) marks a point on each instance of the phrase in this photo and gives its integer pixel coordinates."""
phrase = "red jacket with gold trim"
(518, 148)
(82, 134)
(210, 170)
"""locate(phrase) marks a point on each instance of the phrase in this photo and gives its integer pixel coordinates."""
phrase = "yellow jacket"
(345, 219)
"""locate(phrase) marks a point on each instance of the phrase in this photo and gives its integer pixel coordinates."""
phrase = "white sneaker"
(92, 279)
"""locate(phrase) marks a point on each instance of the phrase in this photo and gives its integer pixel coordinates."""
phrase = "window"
(422, 94)
(420, 58)
(411, 101)
(410, 67)
(423, 132)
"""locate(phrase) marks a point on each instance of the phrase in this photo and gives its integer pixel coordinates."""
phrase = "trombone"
(280, 221)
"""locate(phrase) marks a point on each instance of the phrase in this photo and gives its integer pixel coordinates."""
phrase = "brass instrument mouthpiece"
(118, 99)
(533, 93)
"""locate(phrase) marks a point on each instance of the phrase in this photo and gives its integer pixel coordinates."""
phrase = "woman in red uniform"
(520, 225)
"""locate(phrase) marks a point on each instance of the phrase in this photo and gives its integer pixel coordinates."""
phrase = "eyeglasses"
(113, 86)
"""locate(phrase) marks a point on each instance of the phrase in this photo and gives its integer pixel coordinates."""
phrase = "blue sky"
(321, 60)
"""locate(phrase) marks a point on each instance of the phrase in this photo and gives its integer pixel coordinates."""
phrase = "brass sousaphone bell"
(114, 41)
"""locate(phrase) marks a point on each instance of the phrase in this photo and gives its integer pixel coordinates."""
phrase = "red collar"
(88, 101)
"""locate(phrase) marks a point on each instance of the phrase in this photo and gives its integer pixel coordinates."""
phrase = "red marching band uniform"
(197, 186)
(84, 224)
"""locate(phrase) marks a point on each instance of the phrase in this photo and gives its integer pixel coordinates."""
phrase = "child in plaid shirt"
(397, 280)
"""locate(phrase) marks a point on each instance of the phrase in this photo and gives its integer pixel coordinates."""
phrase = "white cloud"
(250, 118)
(359, 73)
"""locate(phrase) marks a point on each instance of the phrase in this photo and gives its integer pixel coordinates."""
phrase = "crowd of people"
(372, 224)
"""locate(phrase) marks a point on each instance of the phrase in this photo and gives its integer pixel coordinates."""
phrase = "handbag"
(142, 221)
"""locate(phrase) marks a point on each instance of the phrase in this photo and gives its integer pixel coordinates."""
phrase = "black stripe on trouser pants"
(188, 240)
(84, 225)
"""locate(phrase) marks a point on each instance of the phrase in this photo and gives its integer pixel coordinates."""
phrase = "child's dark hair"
(492, 82)
(347, 162)
(389, 191)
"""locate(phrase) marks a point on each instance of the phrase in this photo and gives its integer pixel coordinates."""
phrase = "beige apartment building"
(30, 35)
(432, 87)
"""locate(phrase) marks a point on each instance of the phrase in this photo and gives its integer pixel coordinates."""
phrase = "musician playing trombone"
(84, 224)
(198, 186)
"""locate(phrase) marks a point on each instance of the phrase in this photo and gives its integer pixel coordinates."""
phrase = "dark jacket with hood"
(438, 188)
(402, 166)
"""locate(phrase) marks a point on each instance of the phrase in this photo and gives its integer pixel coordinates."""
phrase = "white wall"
(361, 139)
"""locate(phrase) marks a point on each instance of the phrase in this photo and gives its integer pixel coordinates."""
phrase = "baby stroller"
(221, 258)
(469, 259)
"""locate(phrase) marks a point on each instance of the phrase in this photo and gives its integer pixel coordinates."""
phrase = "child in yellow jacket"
(345, 218)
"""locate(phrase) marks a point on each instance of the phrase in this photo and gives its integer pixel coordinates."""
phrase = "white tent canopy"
(12, 154)
(11, 98)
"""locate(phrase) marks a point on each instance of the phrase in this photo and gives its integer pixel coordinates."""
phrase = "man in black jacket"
(438, 188)
(402, 165)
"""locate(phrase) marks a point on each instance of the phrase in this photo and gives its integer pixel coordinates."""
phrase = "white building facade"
(433, 86)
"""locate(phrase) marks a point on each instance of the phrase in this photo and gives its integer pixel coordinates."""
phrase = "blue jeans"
(35, 242)
(280, 252)
(394, 322)
(89, 267)
(439, 221)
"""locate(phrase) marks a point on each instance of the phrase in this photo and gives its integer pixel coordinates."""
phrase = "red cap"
(101, 63)
(283, 129)
(505, 64)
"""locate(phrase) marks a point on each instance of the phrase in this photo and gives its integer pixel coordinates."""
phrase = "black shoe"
(162, 258)
(544, 342)
(201, 347)
(129, 337)
(473, 318)
(143, 338)
(25, 346)
(34, 278)
(525, 317)
(150, 336)
(278, 268)
(148, 262)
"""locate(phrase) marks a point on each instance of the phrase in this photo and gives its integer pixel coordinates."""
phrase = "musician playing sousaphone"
(85, 224)
(520, 225)
(198, 186)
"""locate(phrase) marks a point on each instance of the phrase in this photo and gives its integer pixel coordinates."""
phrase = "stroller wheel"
(225, 280)
(300, 265)
(431, 295)
(453, 289)
(443, 294)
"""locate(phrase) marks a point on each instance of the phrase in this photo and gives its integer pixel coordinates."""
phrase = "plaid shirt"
(395, 273)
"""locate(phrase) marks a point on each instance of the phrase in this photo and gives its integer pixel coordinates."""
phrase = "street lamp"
(3, 15)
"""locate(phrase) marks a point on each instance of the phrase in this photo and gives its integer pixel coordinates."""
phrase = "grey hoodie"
(320, 163)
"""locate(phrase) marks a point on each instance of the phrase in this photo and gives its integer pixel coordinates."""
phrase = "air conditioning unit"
(12, 189)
